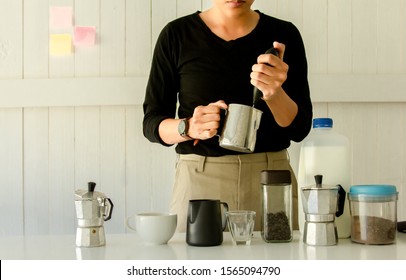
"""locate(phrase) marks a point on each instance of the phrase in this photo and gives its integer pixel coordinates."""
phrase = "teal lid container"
(373, 211)
(373, 193)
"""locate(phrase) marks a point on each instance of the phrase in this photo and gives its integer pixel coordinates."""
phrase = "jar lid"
(271, 177)
(373, 190)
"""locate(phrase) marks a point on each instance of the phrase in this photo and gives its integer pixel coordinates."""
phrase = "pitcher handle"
(222, 122)
(224, 217)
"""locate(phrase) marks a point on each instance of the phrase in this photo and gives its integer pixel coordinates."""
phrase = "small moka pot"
(321, 204)
(92, 209)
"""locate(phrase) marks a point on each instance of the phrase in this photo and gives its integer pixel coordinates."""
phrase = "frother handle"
(257, 94)
(224, 217)
(341, 201)
(109, 209)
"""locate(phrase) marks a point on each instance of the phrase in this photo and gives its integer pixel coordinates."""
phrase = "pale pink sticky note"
(84, 35)
(60, 17)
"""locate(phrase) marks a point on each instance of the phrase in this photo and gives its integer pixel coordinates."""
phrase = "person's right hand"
(206, 120)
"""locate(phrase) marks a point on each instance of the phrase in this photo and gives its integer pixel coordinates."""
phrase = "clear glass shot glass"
(241, 225)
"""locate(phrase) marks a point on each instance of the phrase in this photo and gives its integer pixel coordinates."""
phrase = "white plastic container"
(326, 152)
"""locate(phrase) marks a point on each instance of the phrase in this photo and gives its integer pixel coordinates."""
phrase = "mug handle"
(224, 217)
(128, 223)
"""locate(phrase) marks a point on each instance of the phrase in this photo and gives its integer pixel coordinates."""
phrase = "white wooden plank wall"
(47, 152)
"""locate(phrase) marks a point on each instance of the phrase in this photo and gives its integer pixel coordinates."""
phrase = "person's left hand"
(270, 72)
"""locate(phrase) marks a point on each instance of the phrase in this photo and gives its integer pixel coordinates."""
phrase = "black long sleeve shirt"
(195, 67)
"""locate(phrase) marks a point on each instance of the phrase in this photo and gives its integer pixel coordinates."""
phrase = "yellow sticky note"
(60, 44)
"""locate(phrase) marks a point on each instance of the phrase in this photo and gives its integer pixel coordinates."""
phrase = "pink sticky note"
(84, 35)
(60, 17)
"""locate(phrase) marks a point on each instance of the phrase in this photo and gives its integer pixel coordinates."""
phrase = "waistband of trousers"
(255, 157)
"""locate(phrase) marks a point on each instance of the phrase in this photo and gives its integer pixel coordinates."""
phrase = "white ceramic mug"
(153, 228)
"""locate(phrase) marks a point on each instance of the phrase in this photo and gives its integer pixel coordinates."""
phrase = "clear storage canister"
(373, 211)
(276, 220)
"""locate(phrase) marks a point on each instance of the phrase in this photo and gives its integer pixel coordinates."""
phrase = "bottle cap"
(322, 122)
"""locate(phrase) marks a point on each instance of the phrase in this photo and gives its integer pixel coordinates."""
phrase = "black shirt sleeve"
(162, 88)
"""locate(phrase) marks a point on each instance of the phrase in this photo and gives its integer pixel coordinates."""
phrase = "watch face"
(182, 127)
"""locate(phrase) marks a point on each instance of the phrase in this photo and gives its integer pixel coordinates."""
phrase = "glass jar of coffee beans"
(276, 223)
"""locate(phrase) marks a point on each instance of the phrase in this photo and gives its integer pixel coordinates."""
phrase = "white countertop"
(130, 247)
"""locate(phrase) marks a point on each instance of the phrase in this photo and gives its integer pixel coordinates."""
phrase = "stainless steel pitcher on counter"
(92, 209)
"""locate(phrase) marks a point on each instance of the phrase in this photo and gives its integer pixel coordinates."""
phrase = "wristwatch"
(183, 128)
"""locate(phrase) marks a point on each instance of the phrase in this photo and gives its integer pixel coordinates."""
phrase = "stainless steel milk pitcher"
(240, 128)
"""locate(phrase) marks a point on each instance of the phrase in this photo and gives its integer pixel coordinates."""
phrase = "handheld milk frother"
(257, 94)
(241, 123)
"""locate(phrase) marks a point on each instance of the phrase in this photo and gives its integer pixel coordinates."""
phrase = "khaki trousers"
(234, 179)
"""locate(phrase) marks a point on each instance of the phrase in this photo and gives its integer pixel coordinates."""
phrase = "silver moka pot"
(92, 209)
(321, 204)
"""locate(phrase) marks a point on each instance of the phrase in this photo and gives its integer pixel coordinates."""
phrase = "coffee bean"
(277, 227)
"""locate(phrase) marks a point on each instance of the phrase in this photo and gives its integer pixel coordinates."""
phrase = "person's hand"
(206, 120)
(270, 72)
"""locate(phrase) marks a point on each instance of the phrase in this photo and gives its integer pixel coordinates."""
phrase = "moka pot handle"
(108, 209)
(340, 201)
